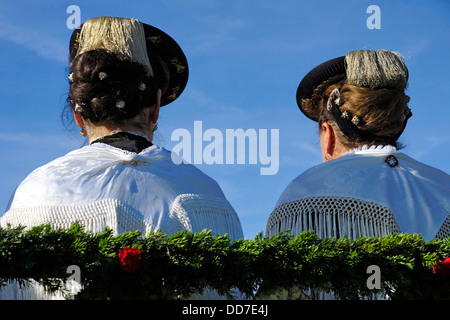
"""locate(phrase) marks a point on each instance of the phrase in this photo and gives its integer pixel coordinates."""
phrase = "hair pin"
(356, 120)
(78, 108)
(346, 115)
(120, 104)
(102, 75)
(333, 99)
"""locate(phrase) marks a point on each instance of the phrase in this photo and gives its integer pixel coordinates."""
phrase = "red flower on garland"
(130, 259)
(442, 268)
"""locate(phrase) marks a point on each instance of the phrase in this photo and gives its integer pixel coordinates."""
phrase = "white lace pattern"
(333, 217)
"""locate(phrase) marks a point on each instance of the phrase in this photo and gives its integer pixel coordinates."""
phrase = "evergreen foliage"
(177, 265)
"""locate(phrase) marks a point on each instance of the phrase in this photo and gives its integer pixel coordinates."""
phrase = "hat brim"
(168, 61)
(316, 77)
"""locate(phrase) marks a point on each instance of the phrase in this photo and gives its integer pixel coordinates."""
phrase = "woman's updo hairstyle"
(368, 104)
(105, 88)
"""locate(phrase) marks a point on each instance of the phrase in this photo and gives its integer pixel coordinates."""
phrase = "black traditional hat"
(168, 62)
(333, 69)
(363, 68)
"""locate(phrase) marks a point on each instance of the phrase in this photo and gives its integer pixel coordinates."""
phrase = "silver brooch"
(391, 161)
(135, 163)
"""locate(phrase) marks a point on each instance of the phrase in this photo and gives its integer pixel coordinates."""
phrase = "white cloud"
(24, 139)
(218, 33)
(44, 45)
(429, 145)
(215, 108)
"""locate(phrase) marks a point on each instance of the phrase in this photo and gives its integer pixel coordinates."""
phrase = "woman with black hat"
(365, 187)
(121, 72)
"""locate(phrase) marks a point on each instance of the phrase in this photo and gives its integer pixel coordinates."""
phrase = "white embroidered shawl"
(358, 194)
(99, 186)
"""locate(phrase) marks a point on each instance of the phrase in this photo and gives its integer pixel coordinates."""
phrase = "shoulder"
(168, 164)
(43, 181)
(425, 171)
(365, 175)
(308, 183)
(110, 171)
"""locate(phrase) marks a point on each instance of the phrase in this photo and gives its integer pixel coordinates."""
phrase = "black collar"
(125, 141)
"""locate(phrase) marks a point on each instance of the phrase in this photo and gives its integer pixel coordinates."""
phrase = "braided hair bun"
(105, 88)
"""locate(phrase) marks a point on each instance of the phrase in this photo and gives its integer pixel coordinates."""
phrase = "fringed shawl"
(359, 194)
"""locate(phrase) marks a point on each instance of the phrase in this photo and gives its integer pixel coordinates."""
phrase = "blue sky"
(246, 59)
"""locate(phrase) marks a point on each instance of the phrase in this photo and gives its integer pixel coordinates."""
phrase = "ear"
(78, 119)
(154, 115)
(327, 141)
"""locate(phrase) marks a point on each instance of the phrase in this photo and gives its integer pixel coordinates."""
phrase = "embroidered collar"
(373, 149)
(128, 141)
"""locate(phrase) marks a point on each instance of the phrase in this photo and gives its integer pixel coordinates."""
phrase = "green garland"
(170, 267)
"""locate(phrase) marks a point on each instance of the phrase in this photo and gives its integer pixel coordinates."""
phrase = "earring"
(83, 132)
(155, 127)
(327, 156)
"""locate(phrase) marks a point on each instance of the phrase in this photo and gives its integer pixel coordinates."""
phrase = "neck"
(97, 132)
